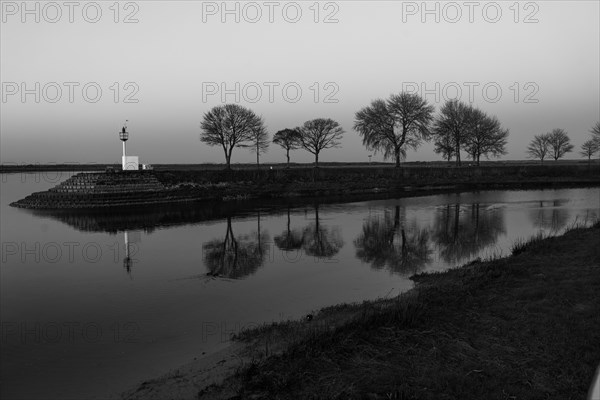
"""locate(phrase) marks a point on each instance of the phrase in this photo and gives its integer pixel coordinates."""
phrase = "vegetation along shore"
(522, 327)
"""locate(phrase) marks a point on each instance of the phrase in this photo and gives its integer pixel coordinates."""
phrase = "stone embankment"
(95, 190)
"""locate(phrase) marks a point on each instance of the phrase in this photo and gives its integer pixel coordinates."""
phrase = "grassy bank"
(381, 181)
(522, 327)
(13, 167)
(350, 183)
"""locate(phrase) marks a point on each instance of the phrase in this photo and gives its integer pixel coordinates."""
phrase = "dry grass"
(522, 327)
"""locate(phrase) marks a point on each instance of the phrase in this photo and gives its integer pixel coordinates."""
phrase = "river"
(93, 303)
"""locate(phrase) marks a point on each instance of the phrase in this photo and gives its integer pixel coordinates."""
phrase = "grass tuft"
(521, 245)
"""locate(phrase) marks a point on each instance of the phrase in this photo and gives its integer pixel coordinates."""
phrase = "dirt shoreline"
(524, 326)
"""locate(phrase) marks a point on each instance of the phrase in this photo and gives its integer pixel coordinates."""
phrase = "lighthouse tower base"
(130, 163)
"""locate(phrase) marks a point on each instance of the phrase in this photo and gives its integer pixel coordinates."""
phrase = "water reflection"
(289, 240)
(445, 233)
(462, 231)
(551, 215)
(131, 239)
(149, 218)
(386, 243)
(234, 256)
(48, 255)
(319, 240)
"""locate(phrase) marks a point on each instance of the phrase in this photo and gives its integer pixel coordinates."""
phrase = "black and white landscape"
(300, 200)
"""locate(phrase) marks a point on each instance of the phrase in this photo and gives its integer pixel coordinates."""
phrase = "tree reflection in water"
(319, 240)
(461, 232)
(236, 257)
(289, 239)
(550, 215)
(386, 243)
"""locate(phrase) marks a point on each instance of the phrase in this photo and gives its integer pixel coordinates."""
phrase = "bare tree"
(539, 147)
(289, 239)
(385, 242)
(444, 145)
(320, 134)
(454, 120)
(289, 139)
(233, 256)
(589, 148)
(485, 136)
(260, 142)
(229, 126)
(596, 129)
(596, 134)
(460, 231)
(394, 125)
(559, 143)
(320, 241)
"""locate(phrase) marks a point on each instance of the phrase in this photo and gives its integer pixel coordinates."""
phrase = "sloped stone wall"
(94, 190)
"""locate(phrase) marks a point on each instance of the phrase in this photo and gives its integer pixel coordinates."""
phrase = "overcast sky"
(535, 65)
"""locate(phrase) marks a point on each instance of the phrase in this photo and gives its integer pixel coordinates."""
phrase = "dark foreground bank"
(522, 327)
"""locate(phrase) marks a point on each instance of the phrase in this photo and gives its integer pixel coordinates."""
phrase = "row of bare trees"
(313, 136)
(553, 144)
(556, 144)
(591, 146)
(405, 120)
(393, 126)
(231, 125)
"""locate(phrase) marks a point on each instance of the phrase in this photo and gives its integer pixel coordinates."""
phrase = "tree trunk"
(397, 153)
(317, 228)
(457, 154)
(456, 220)
(287, 153)
(476, 207)
(257, 160)
(317, 159)
(258, 227)
(478, 156)
(228, 160)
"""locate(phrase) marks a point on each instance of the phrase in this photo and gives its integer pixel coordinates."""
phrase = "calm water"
(92, 304)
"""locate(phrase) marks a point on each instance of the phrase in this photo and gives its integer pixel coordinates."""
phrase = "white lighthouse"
(129, 163)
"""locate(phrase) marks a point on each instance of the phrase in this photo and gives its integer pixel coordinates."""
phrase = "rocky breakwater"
(105, 189)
